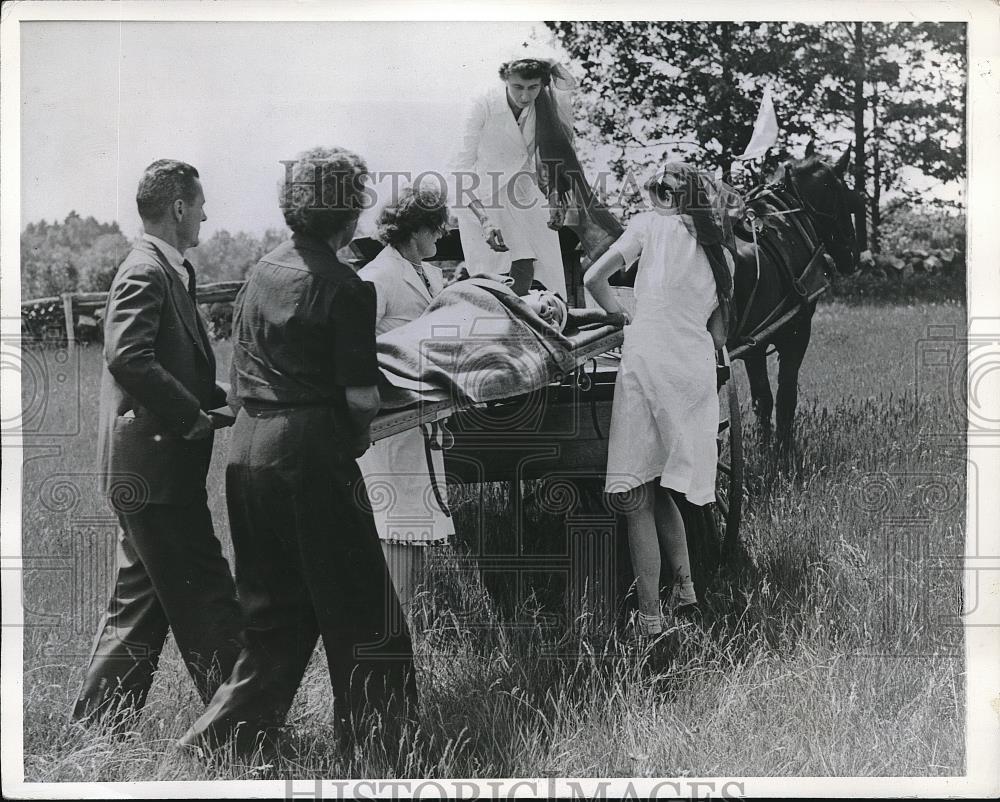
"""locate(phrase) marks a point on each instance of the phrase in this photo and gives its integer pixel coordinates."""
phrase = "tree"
(100, 261)
(901, 88)
(227, 257)
(76, 254)
(696, 86)
(897, 90)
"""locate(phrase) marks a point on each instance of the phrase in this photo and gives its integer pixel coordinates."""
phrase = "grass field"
(836, 651)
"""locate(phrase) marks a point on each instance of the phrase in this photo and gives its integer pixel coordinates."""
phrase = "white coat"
(395, 469)
(494, 165)
(400, 295)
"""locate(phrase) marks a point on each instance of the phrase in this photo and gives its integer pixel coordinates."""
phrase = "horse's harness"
(788, 202)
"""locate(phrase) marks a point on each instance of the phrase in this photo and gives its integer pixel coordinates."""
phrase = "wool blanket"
(477, 341)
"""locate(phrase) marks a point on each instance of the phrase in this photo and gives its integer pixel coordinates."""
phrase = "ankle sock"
(649, 624)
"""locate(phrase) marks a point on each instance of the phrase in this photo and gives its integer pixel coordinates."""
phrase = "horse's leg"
(791, 345)
(755, 363)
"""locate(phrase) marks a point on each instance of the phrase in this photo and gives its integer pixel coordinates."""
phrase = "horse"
(791, 226)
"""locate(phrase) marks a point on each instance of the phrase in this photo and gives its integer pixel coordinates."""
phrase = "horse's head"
(822, 191)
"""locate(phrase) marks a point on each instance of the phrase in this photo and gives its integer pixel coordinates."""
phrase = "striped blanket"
(477, 341)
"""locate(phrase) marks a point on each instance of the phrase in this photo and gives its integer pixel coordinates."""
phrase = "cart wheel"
(729, 478)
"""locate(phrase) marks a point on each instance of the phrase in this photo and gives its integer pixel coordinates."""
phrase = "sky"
(101, 100)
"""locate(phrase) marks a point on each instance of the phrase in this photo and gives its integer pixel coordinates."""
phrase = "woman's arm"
(596, 280)
(464, 161)
(625, 250)
(465, 174)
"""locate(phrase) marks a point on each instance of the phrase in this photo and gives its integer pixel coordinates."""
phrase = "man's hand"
(202, 427)
(493, 237)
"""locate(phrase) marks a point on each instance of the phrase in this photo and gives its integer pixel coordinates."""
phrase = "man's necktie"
(192, 284)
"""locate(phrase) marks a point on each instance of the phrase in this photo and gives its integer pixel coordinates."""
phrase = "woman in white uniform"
(665, 416)
(409, 515)
(506, 222)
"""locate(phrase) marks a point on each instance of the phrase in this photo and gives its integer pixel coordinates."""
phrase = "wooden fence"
(76, 304)
(44, 316)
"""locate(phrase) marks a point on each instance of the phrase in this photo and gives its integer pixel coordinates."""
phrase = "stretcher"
(587, 345)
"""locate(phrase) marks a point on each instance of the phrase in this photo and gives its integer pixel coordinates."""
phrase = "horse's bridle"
(785, 195)
(789, 182)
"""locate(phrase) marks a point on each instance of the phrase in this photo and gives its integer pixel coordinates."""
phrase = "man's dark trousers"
(308, 564)
(171, 575)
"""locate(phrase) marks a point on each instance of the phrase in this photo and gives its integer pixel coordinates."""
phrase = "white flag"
(765, 130)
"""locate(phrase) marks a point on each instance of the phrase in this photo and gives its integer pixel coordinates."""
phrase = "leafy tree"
(100, 261)
(81, 254)
(227, 257)
(901, 88)
(75, 254)
(645, 86)
(898, 89)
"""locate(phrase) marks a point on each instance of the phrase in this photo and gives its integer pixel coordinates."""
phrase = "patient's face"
(545, 305)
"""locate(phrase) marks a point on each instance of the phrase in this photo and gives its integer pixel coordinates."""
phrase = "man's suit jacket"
(400, 295)
(159, 371)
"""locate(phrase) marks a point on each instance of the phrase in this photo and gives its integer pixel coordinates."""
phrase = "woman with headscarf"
(516, 173)
(665, 417)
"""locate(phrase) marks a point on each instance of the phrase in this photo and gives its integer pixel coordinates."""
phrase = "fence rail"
(74, 304)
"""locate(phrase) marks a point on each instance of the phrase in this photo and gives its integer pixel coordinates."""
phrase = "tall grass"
(833, 648)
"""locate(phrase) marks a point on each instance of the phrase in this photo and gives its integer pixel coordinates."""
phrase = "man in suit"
(154, 448)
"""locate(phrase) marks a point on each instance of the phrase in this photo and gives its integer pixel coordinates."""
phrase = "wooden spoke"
(722, 504)
(729, 488)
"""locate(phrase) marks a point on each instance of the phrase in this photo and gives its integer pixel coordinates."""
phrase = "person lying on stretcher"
(479, 341)
(552, 309)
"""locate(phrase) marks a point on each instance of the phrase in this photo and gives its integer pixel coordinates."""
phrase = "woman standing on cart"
(409, 505)
(665, 415)
(518, 179)
(507, 221)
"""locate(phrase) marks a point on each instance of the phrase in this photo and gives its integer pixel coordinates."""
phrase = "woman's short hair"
(526, 68)
(163, 182)
(323, 191)
(412, 209)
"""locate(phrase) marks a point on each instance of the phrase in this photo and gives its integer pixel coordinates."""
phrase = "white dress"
(498, 164)
(399, 487)
(665, 416)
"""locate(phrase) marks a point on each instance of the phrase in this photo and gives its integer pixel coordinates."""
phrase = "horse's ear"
(840, 168)
(811, 148)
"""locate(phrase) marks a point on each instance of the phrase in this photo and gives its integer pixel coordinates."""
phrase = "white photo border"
(983, 207)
